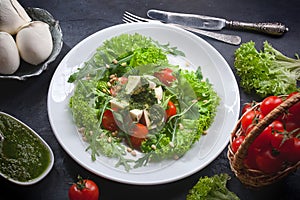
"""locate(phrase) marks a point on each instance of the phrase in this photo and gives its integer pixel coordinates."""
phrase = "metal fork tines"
(130, 18)
(230, 39)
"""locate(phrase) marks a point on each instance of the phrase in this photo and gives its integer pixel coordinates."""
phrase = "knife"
(214, 23)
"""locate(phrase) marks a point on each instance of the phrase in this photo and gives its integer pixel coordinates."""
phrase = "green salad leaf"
(266, 72)
(209, 188)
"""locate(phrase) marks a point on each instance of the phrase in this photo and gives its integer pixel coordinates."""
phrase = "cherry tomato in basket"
(263, 140)
(268, 161)
(108, 121)
(292, 128)
(251, 117)
(288, 117)
(236, 143)
(246, 107)
(295, 109)
(269, 103)
(165, 76)
(294, 154)
(83, 189)
(282, 142)
(250, 160)
(138, 135)
(171, 110)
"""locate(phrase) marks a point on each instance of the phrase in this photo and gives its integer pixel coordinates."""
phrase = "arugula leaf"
(266, 72)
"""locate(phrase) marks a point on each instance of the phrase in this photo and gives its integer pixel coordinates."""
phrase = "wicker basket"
(252, 177)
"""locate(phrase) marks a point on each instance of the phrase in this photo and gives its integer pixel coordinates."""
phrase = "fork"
(230, 39)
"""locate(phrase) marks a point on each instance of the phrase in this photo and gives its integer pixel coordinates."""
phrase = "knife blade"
(215, 23)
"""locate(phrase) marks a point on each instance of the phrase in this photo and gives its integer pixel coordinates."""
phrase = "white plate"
(199, 53)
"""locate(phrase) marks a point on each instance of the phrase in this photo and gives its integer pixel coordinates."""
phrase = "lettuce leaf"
(212, 188)
(266, 72)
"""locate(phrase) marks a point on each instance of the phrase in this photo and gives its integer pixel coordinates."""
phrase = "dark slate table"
(27, 100)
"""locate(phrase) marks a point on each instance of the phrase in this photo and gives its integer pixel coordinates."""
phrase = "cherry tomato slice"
(171, 110)
(108, 121)
(165, 76)
(138, 135)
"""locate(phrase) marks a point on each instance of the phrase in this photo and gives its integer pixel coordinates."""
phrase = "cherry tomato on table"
(84, 189)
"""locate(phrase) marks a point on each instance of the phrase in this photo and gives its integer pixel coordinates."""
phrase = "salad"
(132, 104)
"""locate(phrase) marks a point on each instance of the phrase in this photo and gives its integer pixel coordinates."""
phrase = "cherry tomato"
(268, 162)
(246, 107)
(295, 109)
(282, 142)
(236, 143)
(277, 127)
(250, 160)
(279, 137)
(289, 117)
(84, 189)
(108, 121)
(165, 76)
(263, 140)
(249, 118)
(138, 135)
(292, 127)
(171, 110)
(269, 103)
(294, 154)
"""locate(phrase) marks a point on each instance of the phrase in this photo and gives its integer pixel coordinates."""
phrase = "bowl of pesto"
(24, 156)
(143, 103)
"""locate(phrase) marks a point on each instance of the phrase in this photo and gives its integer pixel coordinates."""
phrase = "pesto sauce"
(142, 99)
(23, 156)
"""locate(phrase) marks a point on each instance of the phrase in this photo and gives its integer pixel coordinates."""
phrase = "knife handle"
(268, 28)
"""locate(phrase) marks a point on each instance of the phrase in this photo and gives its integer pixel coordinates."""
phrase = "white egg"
(9, 55)
(34, 42)
(12, 16)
